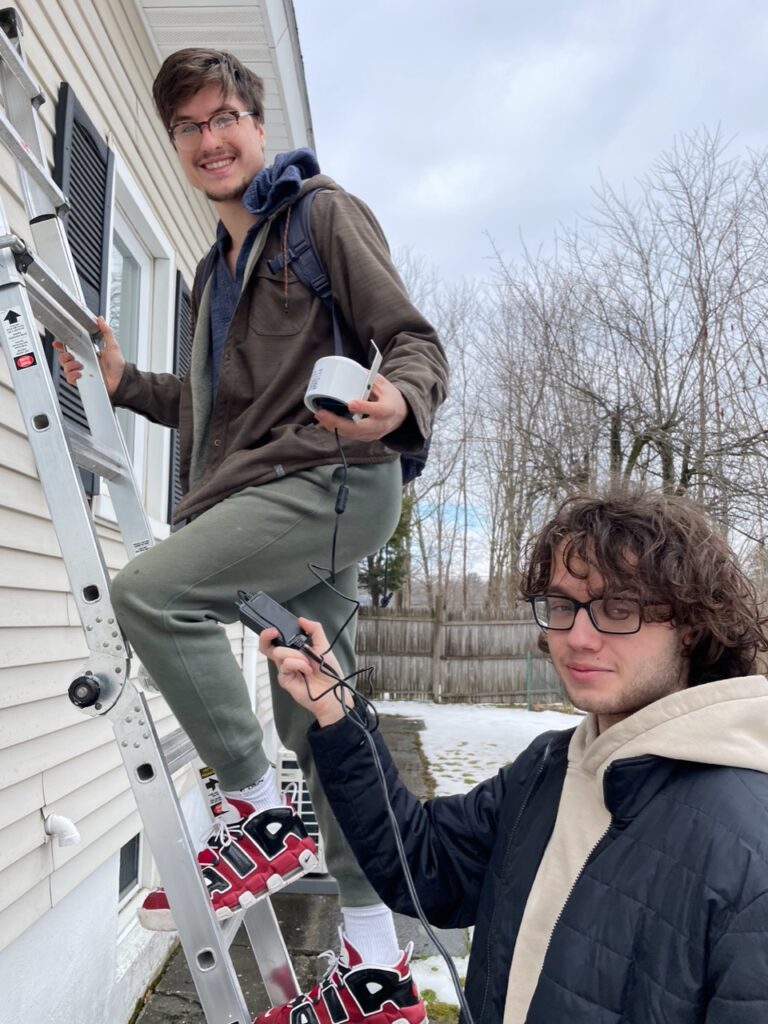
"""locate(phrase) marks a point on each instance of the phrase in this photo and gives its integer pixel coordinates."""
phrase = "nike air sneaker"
(242, 861)
(355, 993)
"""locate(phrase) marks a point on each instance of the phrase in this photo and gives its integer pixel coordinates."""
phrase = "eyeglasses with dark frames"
(187, 134)
(619, 615)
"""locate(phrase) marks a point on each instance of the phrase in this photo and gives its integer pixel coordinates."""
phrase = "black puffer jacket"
(667, 922)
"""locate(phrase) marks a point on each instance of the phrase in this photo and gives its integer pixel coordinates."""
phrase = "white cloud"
(445, 187)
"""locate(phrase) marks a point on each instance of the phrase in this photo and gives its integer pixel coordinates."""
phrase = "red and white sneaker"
(355, 993)
(243, 861)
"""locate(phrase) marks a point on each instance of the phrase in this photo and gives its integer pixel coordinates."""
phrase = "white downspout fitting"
(64, 830)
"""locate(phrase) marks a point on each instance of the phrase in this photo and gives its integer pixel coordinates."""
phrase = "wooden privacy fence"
(456, 658)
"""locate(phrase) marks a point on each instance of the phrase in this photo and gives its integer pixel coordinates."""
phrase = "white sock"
(262, 794)
(371, 930)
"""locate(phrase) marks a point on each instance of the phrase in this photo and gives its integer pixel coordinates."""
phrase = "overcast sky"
(453, 120)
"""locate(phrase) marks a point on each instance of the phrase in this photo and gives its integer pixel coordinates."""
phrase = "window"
(141, 312)
(130, 304)
(130, 856)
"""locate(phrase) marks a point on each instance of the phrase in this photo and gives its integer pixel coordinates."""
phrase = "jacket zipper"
(515, 826)
(578, 876)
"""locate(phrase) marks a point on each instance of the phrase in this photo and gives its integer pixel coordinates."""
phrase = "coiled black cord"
(363, 715)
(368, 721)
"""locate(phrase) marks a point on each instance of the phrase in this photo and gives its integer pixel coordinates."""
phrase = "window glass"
(131, 269)
(129, 868)
(123, 316)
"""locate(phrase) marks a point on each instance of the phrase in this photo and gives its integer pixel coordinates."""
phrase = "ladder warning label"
(18, 340)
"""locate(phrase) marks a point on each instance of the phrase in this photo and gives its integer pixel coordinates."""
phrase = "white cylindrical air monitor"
(337, 380)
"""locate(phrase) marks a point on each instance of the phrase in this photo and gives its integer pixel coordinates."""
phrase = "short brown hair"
(673, 558)
(186, 72)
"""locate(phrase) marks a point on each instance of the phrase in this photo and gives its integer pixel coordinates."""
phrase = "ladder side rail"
(11, 56)
(32, 172)
(43, 199)
(107, 438)
(58, 474)
(202, 938)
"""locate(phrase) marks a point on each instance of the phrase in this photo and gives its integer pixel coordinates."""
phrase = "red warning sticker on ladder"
(15, 331)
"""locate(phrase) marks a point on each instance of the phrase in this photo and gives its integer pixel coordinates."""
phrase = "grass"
(437, 1011)
(429, 781)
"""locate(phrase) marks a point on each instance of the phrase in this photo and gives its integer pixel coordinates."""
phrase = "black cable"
(317, 571)
(368, 726)
(386, 598)
(467, 1015)
(341, 503)
(327, 575)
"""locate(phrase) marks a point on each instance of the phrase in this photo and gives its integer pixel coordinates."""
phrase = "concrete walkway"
(309, 922)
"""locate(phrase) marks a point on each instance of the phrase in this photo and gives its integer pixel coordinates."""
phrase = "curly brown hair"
(186, 72)
(664, 550)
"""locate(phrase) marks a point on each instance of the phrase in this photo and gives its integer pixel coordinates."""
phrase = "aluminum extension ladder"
(50, 294)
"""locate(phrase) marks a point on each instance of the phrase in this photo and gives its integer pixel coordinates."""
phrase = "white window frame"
(145, 262)
(137, 886)
(153, 472)
(128, 906)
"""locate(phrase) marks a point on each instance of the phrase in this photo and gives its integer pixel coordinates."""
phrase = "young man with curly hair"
(262, 475)
(617, 871)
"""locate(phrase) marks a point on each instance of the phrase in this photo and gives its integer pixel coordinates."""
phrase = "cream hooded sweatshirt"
(723, 723)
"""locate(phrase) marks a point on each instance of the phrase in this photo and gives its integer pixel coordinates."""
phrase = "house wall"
(59, 905)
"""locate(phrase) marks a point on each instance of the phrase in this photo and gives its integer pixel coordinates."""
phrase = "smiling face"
(612, 675)
(222, 168)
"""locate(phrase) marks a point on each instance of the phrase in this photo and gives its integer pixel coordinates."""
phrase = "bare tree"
(634, 351)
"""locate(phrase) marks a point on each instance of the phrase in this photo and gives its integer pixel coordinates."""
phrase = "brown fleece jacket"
(258, 429)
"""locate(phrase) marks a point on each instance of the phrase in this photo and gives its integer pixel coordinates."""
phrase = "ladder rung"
(231, 927)
(19, 70)
(29, 163)
(57, 320)
(178, 750)
(47, 292)
(45, 286)
(88, 456)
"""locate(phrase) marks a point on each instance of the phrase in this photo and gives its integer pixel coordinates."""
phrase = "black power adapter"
(259, 612)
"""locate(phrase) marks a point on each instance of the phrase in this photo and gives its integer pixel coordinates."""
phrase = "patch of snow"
(467, 743)
(431, 973)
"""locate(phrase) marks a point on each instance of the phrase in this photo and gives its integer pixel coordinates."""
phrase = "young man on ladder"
(262, 474)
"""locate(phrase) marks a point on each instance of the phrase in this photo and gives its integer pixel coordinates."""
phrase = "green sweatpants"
(171, 599)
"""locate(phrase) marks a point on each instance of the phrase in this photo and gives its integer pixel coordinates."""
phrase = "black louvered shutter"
(84, 170)
(182, 356)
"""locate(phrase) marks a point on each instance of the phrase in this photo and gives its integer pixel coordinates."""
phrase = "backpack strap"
(304, 259)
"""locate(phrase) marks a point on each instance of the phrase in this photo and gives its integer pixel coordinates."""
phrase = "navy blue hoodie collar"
(278, 184)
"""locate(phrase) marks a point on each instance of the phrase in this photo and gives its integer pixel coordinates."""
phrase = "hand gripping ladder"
(50, 294)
